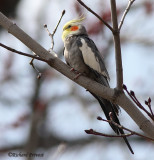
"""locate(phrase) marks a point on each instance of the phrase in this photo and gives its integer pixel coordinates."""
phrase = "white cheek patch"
(89, 57)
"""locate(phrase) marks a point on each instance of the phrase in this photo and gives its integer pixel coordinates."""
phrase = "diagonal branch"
(136, 101)
(90, 85)
(94, 13)
(125, 13)
(91, 131)
(116, 37)
(124, 128)
(22, 53)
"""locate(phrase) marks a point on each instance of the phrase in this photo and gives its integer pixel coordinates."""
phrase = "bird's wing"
(92, 57)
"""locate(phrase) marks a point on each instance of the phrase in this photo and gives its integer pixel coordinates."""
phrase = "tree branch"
(125, 13)
(54, 31)
(136, 101)
(91, 131)
(124, 128)
(116, 37)
(90, 10)
(85, 82)
(22, 53)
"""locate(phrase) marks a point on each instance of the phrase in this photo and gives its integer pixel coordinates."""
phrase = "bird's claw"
(78, 73)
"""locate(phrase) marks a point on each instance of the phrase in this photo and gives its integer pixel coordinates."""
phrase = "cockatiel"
(82, 55)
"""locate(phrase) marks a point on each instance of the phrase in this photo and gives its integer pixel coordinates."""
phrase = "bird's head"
(73, 27)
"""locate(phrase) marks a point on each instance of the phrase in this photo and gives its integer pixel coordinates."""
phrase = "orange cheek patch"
(74, 28)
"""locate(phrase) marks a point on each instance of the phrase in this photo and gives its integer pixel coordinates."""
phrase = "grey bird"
(82, 55)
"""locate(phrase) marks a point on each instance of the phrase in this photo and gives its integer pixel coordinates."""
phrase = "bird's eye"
(69, 26)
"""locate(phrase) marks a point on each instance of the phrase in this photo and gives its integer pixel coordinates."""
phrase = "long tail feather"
(107, 108)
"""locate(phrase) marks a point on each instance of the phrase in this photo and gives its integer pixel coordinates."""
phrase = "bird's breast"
(73, 57)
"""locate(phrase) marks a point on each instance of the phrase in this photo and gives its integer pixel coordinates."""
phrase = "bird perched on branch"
(82, 55)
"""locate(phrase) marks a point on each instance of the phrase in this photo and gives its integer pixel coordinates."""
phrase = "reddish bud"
(149, 100)
(89, 131)
(45, 25)
(146, 102)
(99, 118)
(124, 87)
(63, 12)
(132, 93)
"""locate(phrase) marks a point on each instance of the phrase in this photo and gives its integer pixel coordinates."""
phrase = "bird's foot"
(78, 73)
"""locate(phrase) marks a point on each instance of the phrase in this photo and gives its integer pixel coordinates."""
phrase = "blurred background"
(49, 115)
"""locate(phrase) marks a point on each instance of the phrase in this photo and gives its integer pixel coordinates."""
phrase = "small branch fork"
(107, 25)
(94, 13)
(54, 31)
(52, 43)
(136, 101)
(131, 133)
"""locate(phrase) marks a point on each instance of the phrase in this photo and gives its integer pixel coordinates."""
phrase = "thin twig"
(151, 110)
(32, 64)
(136, 101)
(54, 31)
(63, 12)
(28, 55)
(22, 53)
(91, 131)
(139, 104)
(125, 88)
(94, 13)
(124, 128)
(148, 103)
(125, 13)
